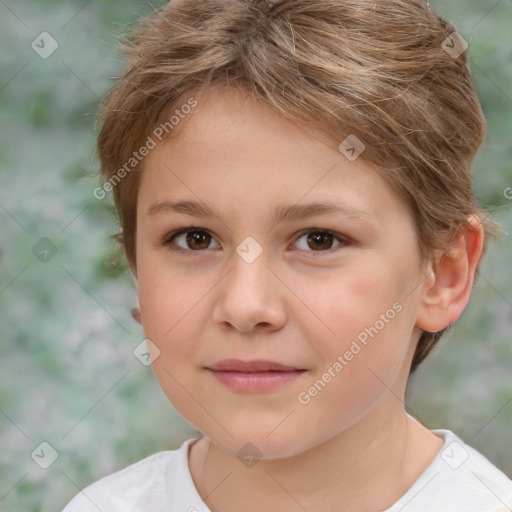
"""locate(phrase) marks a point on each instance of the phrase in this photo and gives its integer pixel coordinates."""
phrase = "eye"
(320, 240)
(192, 239)
(195, 239)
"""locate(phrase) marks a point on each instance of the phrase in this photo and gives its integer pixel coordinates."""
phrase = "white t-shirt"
(459, 479)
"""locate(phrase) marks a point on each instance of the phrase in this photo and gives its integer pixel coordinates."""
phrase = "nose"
(250, 298)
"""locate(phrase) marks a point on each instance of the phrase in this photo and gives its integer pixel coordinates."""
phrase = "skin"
(353, 447)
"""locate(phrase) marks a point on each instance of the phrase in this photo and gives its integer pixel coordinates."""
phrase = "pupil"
(195, 238)
(317, 237)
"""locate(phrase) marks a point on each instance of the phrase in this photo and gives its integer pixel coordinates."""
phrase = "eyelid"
(338, 236)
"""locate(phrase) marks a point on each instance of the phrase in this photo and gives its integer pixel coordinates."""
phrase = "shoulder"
(460, 479)
(144, 485)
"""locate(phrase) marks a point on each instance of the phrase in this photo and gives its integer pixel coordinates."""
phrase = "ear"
(135, 311)
(136, 315)
(119, 237)
(448, 287)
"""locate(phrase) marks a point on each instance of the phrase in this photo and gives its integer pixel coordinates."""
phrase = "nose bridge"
(250, 277)
(249, 294)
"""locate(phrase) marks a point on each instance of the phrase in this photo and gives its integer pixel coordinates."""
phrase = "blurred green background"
(68, 373)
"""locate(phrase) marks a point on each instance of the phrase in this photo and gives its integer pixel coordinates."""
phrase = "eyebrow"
(280, 213)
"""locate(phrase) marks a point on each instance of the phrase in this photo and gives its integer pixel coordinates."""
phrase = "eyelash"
(343, 241)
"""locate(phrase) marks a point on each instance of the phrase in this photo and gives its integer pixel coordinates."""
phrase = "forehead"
(234, 155)
(228, 113)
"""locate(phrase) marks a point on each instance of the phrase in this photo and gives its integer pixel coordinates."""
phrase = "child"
(294, 191)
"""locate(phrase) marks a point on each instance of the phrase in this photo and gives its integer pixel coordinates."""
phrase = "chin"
(254, 442)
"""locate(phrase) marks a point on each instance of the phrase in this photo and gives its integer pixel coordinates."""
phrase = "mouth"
(254, 376)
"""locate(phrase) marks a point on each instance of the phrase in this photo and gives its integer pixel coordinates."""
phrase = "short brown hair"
(376, 69)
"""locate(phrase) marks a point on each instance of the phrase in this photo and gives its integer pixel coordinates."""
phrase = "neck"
(366, 467)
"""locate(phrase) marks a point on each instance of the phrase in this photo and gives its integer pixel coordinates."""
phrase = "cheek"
(369, 326)
(168, 298)
(357, 300)
(358, 365)
(169, 322)
(174, 312)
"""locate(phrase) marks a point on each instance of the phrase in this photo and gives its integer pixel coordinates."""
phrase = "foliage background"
(68, 373)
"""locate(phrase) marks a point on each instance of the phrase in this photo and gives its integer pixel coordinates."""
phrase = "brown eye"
(196, 240)
(191, 240)
(319, 241)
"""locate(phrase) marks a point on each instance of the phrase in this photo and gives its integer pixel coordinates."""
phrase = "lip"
(259, 365)
(254, 376)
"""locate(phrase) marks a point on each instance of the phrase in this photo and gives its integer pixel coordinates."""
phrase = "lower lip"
(255, 381)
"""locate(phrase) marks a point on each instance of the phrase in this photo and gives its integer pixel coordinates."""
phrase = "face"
(332, 297)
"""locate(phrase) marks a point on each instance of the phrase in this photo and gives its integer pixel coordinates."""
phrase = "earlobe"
(448, 287)
(136, 315)
(135, 311)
